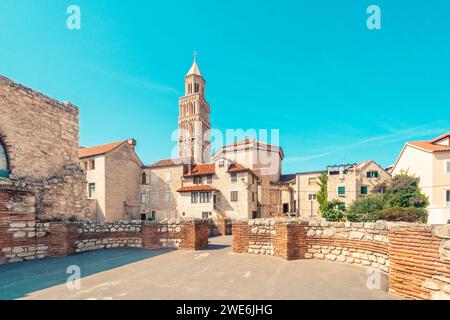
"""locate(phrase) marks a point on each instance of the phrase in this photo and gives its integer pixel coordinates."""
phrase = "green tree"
(322, 195)
(334, 210)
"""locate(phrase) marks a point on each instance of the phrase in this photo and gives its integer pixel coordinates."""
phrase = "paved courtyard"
(215, 273)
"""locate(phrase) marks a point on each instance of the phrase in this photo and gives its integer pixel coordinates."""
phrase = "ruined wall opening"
(4, 161)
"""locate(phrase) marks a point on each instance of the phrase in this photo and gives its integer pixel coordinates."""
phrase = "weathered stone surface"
(442, 231)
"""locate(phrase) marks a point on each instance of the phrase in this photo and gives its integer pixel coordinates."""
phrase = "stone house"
(159, 185)
(350, 182)
(39, 152)
(430, 161)
(113, 173)
(265, 160)
(222, 188)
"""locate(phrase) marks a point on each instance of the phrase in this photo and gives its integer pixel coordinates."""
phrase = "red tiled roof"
(428, 146)
(201, 170)
(98, 150)
(237, 167)
(197, 188)
(169, 162)
(445, 135)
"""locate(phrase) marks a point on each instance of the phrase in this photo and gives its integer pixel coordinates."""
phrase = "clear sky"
(337, 91)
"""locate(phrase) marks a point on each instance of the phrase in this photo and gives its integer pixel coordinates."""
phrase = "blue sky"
(337, 91)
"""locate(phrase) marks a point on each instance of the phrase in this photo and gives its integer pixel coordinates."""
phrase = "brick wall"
(415, 257)
(23, 238)
(420, 262)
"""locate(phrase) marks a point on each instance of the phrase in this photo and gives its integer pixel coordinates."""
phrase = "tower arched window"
(144, 178)
(4, 165)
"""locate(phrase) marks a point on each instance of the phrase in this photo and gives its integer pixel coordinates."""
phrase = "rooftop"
(98, 150)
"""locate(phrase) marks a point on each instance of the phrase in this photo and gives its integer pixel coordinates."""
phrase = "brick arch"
(6, 146)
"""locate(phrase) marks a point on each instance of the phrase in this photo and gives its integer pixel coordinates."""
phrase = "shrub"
(410, 214)
(334, 210)
(366, 208)
(405, 192)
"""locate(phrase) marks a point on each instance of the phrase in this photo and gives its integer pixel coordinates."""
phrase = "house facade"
(350, 182)
(430, 161)
(159, 198)
(306, 189)
(113, 173)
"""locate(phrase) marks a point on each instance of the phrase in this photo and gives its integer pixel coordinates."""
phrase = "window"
(168, 196)
(143, 216)
(204, 197)
(168, 176)
(197, 180)
(142, 198)
(92, 165)
(205, 215)
(234, 196)
(221, 164)
(364, 190)
(372, 174)
(197, 87)
(253, 197)
(209, 179)
(312, 197)
(447, 166)
(154, 197)
(341, 191)
(4, 167)
(285, 207)
(312, 181)
(85, 165)
(194, 197)
(153, 215)
(154, 178)
(234, 176)
(448, 197)
(91, 190)
(144, 178)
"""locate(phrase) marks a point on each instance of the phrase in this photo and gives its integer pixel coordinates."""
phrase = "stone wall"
(416, 257)
(40, 135)
(359, 243)
(22, 237)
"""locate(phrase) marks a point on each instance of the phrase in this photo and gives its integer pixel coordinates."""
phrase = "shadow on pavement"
(19, 279)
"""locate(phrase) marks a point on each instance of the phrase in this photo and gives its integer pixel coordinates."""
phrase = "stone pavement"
(215, 273)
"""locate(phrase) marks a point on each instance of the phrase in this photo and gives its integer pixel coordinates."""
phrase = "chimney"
(132, 142)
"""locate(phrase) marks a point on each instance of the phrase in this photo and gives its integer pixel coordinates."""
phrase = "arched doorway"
(4, 165)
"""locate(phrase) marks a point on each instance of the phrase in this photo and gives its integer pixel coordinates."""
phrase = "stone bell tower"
(194, 118)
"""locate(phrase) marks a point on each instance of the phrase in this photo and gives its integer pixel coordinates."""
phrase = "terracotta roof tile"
(170, 162)
(445, 135)
(98, 150)
(197, 188)
(201, 170)
(428, 146)
(237, 167)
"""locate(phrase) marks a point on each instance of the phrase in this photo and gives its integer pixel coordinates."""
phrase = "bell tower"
(194, 118)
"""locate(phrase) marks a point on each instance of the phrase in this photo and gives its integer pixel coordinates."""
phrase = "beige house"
(113, 174)
(160, 182)
(430, 161)
(223, 188)
(265, 160)
(350, 182)
(306, 189)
